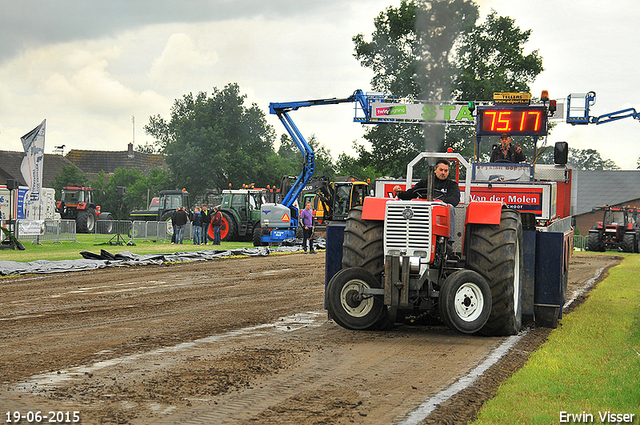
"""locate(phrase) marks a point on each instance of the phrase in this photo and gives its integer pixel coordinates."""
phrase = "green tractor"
(240, 210)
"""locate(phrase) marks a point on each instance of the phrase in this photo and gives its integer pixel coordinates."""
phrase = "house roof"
(10, 162)
(92, 162)
(592, 189)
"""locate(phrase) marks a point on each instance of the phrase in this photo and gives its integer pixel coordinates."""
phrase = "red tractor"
(619, 230)
(394, 259)
(77, 204)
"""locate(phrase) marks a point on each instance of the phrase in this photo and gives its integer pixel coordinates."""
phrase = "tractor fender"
(484, 212)
(374, 208)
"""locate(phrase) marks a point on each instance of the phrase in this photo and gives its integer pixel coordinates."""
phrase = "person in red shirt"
(216, 222)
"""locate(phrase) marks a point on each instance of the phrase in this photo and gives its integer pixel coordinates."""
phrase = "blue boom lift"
(280, 221)
(579, 113)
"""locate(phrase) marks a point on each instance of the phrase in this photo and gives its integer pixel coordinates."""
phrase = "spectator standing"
(181, 219)
(197, 226)
(173, 225)
(306, 217)
(216, 222)
(206, 221)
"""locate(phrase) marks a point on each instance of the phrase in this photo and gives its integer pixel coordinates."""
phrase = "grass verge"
(588, 367)
(71, 251)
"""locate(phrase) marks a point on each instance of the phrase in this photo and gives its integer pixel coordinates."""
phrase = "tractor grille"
(407, 229)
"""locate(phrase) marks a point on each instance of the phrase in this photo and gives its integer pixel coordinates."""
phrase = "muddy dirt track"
(242, 340)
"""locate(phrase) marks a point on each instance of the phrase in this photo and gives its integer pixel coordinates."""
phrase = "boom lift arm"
(579, 114)
(282, 109)
(280, 221)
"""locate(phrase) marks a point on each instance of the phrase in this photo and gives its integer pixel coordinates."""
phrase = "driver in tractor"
(506, 152)
(444, 189)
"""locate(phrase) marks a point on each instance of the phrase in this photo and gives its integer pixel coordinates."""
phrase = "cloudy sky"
(90, 66)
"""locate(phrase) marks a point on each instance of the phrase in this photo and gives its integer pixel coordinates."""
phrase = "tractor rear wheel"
(363, 244)
(86, 221)
(363, 247)
(496, 253)
(229, 229)
(347, 306)
(465, 301)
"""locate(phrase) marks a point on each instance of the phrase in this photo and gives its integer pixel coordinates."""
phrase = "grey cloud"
(32, 23)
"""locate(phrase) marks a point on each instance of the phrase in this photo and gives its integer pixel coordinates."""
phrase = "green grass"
(590, 364)
(69, 250)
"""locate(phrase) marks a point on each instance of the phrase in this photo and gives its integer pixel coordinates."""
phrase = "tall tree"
(589, 159)
(290, 153)
(69, 176)
(410, 55)
(210, 142)
(490, 58)
(105, 192)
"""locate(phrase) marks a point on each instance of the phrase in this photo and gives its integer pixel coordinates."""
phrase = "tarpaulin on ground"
(93, 261)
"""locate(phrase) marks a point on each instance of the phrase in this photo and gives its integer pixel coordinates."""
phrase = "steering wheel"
(423, 193)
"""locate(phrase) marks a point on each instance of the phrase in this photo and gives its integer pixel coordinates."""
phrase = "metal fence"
(580, 242)
(158, 231)
(151, 230)
(117, 230)
(53, 231)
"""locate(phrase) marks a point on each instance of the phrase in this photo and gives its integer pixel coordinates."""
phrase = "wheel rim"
(91, 222)
(224, 229)
(468, 302)
(351, 301)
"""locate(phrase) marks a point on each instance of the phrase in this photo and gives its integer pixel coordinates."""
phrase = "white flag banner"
(32, 164)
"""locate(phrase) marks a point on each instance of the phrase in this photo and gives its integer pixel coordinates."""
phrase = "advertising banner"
(423, 112)
(538, 198)
(32, 164)
(31, 227)
(501, 172)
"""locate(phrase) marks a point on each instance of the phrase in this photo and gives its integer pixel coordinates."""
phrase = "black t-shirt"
(446, 190)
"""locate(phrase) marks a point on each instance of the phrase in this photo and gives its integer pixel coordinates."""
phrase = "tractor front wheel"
(363, 247)
(348, 306)
(257, 236)
(628, 243)
(105, 223)
(594, 242)
(465, 301)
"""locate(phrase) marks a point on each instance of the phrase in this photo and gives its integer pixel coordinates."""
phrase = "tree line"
(422, 49)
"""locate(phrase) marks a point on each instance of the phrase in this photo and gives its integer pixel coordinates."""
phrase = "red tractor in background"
(619, 230)
(76, 203)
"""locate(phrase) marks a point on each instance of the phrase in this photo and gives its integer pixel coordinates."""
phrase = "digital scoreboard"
(517, 120)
